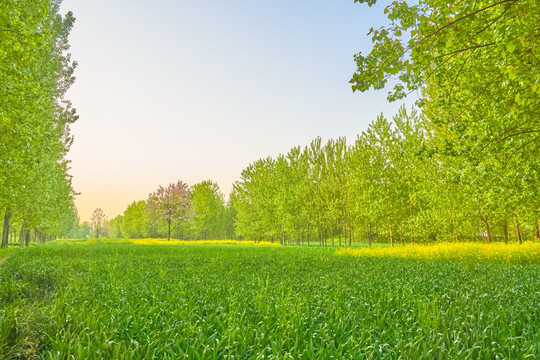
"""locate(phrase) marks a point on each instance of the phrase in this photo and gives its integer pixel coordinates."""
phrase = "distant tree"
(134, 223)
(79, 230)
(115, 227)
(208, 207)
(84, 231)
(171, 204)
(229, 218)
(98, 223)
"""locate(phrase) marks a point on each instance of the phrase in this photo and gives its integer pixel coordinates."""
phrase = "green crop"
(232, 302)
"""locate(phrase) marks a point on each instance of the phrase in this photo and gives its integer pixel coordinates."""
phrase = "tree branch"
(463, 50)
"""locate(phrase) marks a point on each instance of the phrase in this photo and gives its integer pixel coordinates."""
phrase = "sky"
(172, 90)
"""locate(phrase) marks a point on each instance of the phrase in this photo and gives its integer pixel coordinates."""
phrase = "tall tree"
(476, 67)
(35, 73)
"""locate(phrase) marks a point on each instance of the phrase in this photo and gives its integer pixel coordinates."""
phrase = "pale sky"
(171, 90)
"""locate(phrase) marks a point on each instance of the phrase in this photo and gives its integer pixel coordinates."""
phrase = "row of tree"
(467, 167)
(464, 165)
(36, 196)
(393, 185)
(180, 211)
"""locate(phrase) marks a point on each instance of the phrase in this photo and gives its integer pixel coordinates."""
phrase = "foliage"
(210, 213)
(475, 65)
(134, 223)
(35, 73)
(170, 302)
(390, 186)
(115, 227)
(79, 230)
(203, 205)
(171, 204)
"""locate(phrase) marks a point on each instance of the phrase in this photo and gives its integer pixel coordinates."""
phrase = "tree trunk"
(13, 233)
(22, 233)
(5, 230)
(488, 232)
(516, 225)
(390, 232)
(410, 221)
(27, 238)
(169, 230)
(456, 238)
(505, 230)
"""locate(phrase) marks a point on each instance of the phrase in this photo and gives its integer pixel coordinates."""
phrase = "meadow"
(114, 300)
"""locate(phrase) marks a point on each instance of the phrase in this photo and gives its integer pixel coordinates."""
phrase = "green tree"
(475, 65)
(134, 222)
(115, 227)
(209, 211)
(35, 72)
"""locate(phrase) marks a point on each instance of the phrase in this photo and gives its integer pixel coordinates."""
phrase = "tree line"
(176, 210)
(464, 165)
(399, 182)
(36, 196)
(396, 183)
(461, 165)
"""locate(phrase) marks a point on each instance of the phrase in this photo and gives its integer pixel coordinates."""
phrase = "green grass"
(230, 302)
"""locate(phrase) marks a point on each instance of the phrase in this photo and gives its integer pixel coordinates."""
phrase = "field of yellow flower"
(163, 242)
(526, 253)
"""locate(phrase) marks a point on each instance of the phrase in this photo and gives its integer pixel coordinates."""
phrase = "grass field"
(123, 301)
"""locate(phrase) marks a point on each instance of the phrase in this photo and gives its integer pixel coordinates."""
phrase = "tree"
(98, 223)
(115, 227)
(134, 223)
(171, 204)
(475, 65)
(35, 73)
(209, 211)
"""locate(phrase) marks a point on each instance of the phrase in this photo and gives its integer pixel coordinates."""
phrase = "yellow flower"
(527, 252)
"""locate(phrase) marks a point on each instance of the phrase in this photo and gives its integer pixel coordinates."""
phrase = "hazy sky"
(173, 90)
